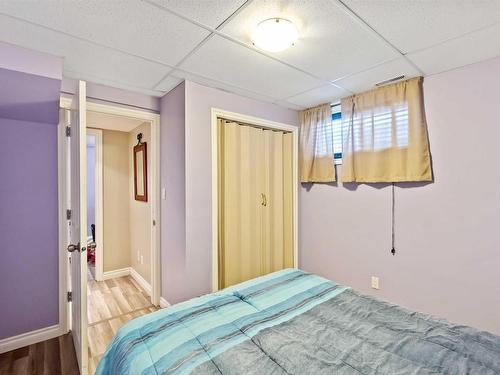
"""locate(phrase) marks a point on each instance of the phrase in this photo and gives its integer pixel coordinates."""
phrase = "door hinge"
(68, 214)
(68, 131)
(154, 222)
(70, 296)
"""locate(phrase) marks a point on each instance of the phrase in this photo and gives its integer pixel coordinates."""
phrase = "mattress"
(293, 322)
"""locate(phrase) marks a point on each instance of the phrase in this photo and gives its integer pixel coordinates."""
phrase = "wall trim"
(141, 281)
(263, 123)
(116, 273)
(164, 303)
(30, 338)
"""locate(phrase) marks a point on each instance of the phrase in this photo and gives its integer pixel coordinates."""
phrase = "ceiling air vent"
(390, 80)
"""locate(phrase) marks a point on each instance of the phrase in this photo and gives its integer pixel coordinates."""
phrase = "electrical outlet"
(138, 255)
(375, 282)
(142, 260)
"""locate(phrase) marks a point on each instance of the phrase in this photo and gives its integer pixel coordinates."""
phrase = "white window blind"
(337, 133)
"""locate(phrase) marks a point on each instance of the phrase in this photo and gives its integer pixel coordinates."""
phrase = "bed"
(293, 322)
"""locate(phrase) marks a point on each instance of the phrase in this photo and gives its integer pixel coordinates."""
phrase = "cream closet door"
(239, 189)
(277, 214)
(255, 202)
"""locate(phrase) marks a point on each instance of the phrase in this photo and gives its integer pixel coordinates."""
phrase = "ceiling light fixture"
(275, 34)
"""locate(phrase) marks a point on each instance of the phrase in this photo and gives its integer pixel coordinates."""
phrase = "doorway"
(138, 290)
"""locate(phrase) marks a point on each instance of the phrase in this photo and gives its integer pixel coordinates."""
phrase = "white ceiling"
(107, 121)
(345, 46)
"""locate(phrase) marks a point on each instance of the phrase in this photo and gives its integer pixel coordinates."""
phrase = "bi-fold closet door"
(255, 201)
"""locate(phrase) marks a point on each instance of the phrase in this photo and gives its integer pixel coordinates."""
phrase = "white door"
(77, 245)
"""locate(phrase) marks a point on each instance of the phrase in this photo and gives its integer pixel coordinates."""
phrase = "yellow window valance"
(316, 145)
(385, 135)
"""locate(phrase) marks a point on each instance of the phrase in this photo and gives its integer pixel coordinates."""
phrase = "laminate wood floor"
(52, 357)
(111, 303)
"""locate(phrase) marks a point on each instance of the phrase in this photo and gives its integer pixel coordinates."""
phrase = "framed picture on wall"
(141, 172)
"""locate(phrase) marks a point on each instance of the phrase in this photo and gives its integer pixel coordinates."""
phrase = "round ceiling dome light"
(275, 34)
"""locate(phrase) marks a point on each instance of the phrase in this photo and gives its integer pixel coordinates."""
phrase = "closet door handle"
(263, 199)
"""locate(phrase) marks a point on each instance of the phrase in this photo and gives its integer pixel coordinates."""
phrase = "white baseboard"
(141, 281)
(164, 303)
(30, 338)
(116, 273)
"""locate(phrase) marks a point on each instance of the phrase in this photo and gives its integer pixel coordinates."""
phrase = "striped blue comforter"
(292, 322)
(178, 339)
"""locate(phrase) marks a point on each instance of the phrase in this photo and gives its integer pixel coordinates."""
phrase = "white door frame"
(261, 123)
(154, 120)
(98, 204)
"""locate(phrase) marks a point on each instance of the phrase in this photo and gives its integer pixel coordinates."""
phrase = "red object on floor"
(90, 255)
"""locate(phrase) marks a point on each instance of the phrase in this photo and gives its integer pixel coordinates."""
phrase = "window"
(337, 133)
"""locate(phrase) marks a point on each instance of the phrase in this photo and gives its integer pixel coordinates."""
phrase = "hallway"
(111, 303)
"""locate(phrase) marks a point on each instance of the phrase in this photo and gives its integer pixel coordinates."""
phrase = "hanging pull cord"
(393, 219)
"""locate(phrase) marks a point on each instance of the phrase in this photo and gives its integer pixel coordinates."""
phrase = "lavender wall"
(29, 108)
(28, 226)
(448, 257)
(173, 208)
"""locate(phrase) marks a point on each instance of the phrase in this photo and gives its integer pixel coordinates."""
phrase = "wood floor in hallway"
(111, 303)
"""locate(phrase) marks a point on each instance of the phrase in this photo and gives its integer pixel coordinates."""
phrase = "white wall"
(116, 211)
(448, 250)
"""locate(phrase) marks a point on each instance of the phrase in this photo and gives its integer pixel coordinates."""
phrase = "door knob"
(72, 247)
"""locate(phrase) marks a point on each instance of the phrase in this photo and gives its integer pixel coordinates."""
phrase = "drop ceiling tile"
(469, 49)
(114, 84)
(207, 12)
(366, 80)
(168, 83)
(284, 103)
(227, 62)
(331, 44)
(84, 59)
(324, 94)
(129, 25)
(221, 86)
(412, 25)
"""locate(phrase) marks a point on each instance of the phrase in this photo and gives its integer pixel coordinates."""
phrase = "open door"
(77, 244)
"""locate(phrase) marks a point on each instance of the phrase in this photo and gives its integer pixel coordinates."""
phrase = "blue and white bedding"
(292, 322)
